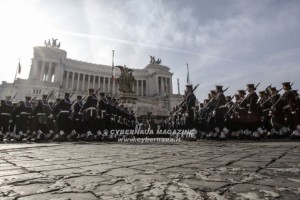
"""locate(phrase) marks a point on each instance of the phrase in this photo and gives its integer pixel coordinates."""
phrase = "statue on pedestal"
(153, 61)
(126, 79)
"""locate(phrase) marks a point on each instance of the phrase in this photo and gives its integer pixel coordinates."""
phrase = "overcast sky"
(225, 42)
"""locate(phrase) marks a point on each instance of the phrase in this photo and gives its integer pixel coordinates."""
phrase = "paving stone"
(187, 170)
(63, 196)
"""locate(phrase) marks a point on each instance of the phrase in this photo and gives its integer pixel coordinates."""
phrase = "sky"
(230, 43)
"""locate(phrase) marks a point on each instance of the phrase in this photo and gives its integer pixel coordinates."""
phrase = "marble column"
(73, 78)
(78, 79)
(89, 80)
(42, 71)
(142, 86)
(83, 82)
(49, 72)
(67, 79)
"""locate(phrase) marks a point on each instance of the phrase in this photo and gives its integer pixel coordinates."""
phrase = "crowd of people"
(246, 114)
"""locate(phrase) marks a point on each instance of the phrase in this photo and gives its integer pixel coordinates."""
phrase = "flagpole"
(17, 71)
(188, 74)
(113, 73)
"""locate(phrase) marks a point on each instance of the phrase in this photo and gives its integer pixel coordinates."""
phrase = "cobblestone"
(185, 170)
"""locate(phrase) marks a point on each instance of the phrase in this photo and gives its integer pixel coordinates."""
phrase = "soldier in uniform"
(103, 119)
(77, 118)
(89, 115)
(6, 109)
(42, 112)
(291, 110)
(24, 122)
(253, 118)
(62, 112)
(275, 112)
(190, 103)
(219, 112)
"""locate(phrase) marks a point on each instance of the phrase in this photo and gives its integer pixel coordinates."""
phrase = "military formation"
(245, 115)
(88, 118)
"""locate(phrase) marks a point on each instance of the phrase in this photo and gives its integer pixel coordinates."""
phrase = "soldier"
(253, 118)
(62, 112)
(275, 113)
(89, 115)
(219, 112)
(103, 119)
(190, 103)
(6, 109)
(290, 110)
(264, 106)
(24, 122)
(77, 118)
(42, 111)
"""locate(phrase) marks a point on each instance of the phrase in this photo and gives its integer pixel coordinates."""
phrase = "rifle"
(226, 89)
(192, 92)
(98, 90)
(48, 97)
(13, 97)
(107, 94)
(33, 98)
(257, 85)
(246, 97)
(282, 87)
(71, 95)
(275, 104)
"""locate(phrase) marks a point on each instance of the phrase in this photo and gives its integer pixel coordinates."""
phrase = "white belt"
(102, 112)
(286, 107)
(41, 114)
(91, 109)
(6, 114)
(24, 113)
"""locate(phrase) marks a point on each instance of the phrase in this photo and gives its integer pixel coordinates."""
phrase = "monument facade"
(51, 70)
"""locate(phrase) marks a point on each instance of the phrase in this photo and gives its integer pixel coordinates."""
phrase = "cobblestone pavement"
(185, 170)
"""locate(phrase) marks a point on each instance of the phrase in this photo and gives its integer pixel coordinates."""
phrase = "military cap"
(213, 92)
(189, 87)
(219, 87)
(67, 94)
(28, 98)
(201, 104)
(91, 90)
(58, 99)
(102, 94)
(79, 97)
(44, 96)
(286, 84)
(228, 97)
(262, 92)
(250, 85)
(273, 89)
(241, 92)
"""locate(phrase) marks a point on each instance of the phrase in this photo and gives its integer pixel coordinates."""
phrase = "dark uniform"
(6, 109)
(77, 116)
(23, 116)
(90, 113)
(62, 112)
(190, 103)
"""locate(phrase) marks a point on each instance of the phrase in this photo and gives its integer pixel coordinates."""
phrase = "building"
(51, 70)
